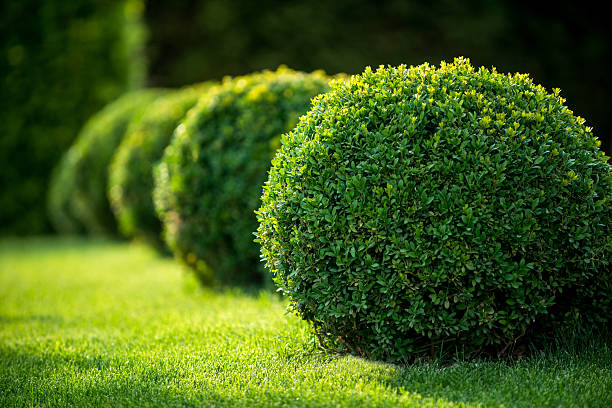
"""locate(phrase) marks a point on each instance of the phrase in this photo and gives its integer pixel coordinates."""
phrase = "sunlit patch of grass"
(100, 323)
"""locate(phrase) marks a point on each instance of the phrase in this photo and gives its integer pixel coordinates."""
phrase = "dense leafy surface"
(423, 207)
(131, 330)
(208, 184)
(130, 188)
(61, 61)
(77, 196)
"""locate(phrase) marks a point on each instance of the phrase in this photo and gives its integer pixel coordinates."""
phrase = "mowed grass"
(97, 323)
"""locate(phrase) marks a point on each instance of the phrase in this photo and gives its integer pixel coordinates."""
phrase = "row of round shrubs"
(411, 209)
(209, 182)
(77, 194)
(222, 150)
(130, 173)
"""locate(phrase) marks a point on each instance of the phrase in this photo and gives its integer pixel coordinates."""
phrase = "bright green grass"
(108, 324)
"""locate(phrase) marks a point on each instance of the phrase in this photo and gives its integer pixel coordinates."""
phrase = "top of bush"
(93, 151)
(208, 184)
(130, 188)
(424, 207)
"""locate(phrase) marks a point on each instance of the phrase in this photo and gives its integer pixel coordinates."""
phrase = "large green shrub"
(81, 181)
(208, 183)
(60, 62)
(130, 189)
(421, 208)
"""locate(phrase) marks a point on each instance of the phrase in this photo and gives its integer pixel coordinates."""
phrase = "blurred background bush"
(130, 174)
(61, 61)
(78, 187)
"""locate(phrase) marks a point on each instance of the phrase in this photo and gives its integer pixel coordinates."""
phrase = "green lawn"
(95, 323)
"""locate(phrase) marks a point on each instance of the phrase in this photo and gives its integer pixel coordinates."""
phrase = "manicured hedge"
(420, 209)
(208, 184)
(130, 188)
(60, 62)
(82, 194)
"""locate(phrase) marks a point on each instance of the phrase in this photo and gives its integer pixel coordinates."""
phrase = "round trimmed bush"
(422, 208)
(130, 188)
(92, 153)
(208, 183)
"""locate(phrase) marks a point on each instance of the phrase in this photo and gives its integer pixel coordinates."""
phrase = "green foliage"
(78, 190)
(423, 208)
(208, 183)
(60, 62)
(130, 189)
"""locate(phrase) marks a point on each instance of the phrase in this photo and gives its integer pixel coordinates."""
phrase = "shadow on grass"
(566, 378)
(36, 380)
(571, 372)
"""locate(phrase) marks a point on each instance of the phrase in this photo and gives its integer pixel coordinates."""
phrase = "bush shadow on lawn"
(566, 377)
(42, 383)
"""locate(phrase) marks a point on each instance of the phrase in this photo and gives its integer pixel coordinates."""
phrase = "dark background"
(562, 44)
(60, 62)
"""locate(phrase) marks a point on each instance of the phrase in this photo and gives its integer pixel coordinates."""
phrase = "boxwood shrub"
(82, 194)
(130, 188)
(419, 209)
(208, 184)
